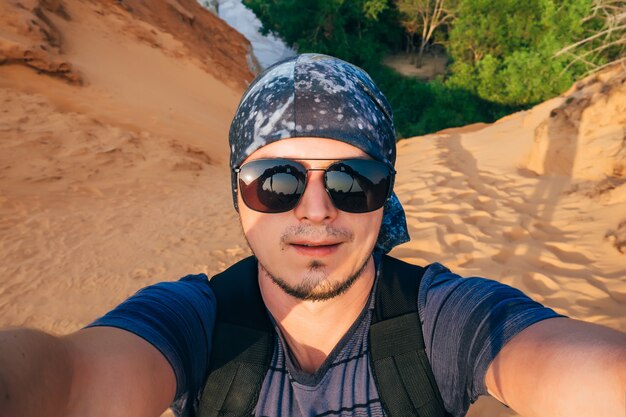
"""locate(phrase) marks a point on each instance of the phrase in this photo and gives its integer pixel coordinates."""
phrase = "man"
(312, 153)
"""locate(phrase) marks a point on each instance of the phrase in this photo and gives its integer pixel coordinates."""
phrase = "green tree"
(504, 51)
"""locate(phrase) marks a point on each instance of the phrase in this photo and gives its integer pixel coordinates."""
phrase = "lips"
(315, 249)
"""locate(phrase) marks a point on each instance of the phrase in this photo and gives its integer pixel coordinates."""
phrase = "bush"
(504, 51)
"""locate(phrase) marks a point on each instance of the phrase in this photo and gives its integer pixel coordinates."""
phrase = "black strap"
(401, 369)
(242, 347)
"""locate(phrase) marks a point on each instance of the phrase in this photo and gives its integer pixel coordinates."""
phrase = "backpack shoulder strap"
(243, 343)
(402, 372)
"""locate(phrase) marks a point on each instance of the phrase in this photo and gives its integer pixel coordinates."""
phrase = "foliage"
(606, 39)
(373, 8)
(421, 108)
(360, 31)
(504, 51)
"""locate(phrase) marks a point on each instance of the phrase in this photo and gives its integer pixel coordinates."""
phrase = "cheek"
(367, 226)
(261, 230)
(248, 218)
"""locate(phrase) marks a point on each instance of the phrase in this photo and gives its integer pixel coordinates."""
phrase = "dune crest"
(99, 178)
(584, 136)
(29, 37)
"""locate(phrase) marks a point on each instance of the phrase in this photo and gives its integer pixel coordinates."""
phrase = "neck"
(313, 328)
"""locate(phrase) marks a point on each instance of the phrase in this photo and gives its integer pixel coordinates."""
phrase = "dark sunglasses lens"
(271, 186)
(358, 185)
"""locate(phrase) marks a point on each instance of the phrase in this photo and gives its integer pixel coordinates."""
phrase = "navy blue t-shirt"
(465, 321)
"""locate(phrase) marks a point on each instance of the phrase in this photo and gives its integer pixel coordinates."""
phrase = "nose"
(315, 205)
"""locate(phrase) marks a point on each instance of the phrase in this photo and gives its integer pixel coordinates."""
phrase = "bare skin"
(99, 372)
(557, 367)
(561, 368)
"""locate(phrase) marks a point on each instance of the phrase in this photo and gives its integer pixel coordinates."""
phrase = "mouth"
(315, 249)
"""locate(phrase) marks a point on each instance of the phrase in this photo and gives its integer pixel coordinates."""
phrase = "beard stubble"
(315, 284)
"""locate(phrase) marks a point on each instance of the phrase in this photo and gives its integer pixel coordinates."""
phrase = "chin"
(315, 279)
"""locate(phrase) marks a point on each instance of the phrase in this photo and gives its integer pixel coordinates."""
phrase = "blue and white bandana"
(314, 95)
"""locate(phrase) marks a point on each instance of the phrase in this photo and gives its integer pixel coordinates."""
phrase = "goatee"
(315, 285)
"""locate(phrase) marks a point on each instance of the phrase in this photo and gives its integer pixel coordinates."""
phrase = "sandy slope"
(97, 182)
(113, 172)
(535, 200)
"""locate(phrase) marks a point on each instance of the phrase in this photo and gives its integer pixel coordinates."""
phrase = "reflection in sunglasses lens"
(271, 186)
(346, 192)
(280, 189)
(276, 185)
(358, 186)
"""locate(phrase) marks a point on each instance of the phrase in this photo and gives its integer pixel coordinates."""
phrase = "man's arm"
(562, 367)
(95, 372)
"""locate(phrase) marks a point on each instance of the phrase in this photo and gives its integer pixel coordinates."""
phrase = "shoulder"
(189, 292)
(194, 287)
(189, 284)
(466, 322)
(174, 299)
(440, 286)
(160, 312)
(449, 301)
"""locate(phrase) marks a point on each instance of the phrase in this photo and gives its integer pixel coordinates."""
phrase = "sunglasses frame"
(392, 176)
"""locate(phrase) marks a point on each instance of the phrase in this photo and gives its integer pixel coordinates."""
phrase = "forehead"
(308, 148)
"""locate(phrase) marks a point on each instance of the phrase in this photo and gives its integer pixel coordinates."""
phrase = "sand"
(432, 65)
(114, 174)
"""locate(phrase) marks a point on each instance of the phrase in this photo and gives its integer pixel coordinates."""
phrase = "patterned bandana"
(314, 95)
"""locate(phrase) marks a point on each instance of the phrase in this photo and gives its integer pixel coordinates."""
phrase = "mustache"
(315, 232)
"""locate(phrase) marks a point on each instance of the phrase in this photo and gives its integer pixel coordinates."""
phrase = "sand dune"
(113, 171)
(98, 178)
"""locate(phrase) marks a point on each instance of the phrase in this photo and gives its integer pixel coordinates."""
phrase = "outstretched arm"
(98, 372)
(562, 367)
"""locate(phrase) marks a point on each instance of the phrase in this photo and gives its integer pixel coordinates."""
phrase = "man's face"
(315, 250)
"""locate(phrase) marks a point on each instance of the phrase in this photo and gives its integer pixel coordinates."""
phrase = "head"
(315, 110)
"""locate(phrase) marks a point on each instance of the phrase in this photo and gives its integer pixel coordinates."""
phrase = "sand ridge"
(536, 200)
(29, 37)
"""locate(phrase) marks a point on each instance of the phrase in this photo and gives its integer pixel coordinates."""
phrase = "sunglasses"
(353, 185)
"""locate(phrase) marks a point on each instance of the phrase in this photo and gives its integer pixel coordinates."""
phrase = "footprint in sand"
(485, 203)
(459, 242)
(480, 220)
(516, 234)
(565, 253)
(503, 255)
(540, 283)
